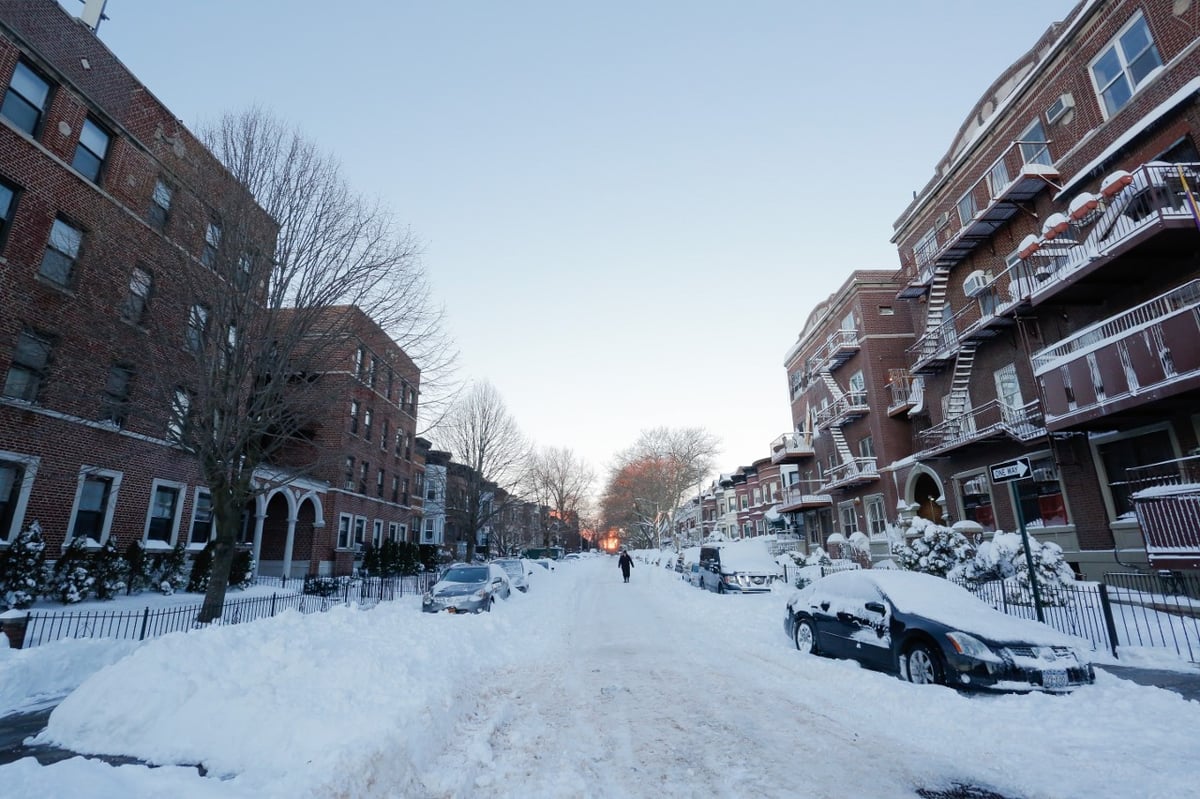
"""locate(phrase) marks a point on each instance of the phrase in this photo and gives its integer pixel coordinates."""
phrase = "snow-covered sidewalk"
(584, 687)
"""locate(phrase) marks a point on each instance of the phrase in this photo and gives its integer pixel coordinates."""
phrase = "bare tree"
(289, 266)
(561, 480)
(484, 437)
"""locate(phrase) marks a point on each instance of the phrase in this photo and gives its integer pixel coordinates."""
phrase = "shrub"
(108, 570)
(137, 575)
(241, 573)
(201, 570)
(72, 580)
(23, 569)
(936, 550)
(167, 569)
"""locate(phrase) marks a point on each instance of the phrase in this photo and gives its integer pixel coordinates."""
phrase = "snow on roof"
(1167, 490)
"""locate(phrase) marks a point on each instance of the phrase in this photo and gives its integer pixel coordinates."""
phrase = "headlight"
(481, 593)
(428, 597)
(972, 647)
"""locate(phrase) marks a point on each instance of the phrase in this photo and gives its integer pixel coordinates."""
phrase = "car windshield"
(466, 574)
(513, 567)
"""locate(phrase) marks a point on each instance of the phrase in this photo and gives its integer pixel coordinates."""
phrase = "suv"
(467, 588)
(726, 570)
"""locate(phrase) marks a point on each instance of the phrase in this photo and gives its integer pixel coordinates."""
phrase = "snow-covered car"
(467, 588)
(545, 563)
(517, 570)
(928, 630)
(737, 567)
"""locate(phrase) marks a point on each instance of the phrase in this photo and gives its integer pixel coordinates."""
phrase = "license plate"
(453, 609)
(1052, 680)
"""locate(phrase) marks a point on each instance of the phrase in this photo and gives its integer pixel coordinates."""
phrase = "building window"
(16, 481)
(377, 533)
(427, 532)
(967, 208)
(1008, 390)
(115, 401)
(849, 518)
(876, 516)
(181, 405)
(354, 417)
(997, 179)
(160, 205)
(1125, 65)
(368, 417)
(395, 488)
(360, 362)
(30, 364)
(8, 205)
(91, 150)
(25, 101)
(926, 247)
(394, 532)
(202, 519)
(94, 499)
(858, 389)
(197, 327)
(364, 469)
(1118, 455)
(344, 522)
(1041, 496)
(866, 447)
(62, 250)
(743, 502)
(360, 531)
(379, 484)
(212, 243)
(975, 494)
(386, 435)
(348, 483)
(1035, 147)
(372, 372)
(134, 307)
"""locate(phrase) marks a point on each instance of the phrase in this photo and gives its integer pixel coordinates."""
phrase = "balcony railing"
(837, 349)
(1145, 353)
(905, 389)
(992, 420)
(850, 473)
(1166, 498)
(795, 499)
(848, 407)
(992, 200)
(790, 448)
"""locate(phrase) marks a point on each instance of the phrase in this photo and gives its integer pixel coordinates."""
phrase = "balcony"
(1151, 214)
(1166, 498)
(986, 207)
(837, 349)
(906, 390)
(1146, 354)
(991, 421)
(790, 448)
(794, 500)
(850, 406)
(853, 472)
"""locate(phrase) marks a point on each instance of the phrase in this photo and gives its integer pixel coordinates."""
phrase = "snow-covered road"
(586, 687)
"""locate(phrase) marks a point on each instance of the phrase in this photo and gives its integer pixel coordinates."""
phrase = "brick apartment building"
(1050, 275)
(109, 212)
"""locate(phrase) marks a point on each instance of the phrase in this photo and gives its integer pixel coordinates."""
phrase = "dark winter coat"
(626, 563)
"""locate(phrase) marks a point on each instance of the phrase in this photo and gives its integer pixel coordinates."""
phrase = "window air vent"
(1062, 105)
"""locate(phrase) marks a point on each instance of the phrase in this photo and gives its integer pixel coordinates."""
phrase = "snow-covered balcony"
(988, 422)
(837, 349)
(791, 448)
(1166, 499)
(852, 472)
(906, 391)
(1012, 180)
(1145, 354)
(796, 500)
(850, 406)
(1141, 213)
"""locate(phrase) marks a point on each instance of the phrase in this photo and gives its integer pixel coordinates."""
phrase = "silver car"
(517, 571)
(467, 588)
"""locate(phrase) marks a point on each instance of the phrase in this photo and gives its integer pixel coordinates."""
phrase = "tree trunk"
(228, 513)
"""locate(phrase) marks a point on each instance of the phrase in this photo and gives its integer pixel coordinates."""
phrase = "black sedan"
(928, 630)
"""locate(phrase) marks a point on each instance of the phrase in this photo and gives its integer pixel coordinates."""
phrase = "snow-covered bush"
(23, 569)
(137, 576)
(937, 549)
(108, 570)
(72, 579)
(168, 570)
(1003, 558)
(808, 567)
(241, 572)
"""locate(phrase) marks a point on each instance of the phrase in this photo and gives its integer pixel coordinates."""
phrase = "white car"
(517, 570)
(467, 588)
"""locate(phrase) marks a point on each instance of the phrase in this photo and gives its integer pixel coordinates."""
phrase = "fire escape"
(844, 407)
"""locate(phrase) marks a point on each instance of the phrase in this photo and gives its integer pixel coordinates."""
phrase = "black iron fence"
(310, 595)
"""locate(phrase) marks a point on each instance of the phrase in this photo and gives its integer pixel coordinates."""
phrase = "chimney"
(93, 12)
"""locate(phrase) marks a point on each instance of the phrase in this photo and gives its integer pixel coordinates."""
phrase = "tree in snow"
(168, 570)
(1003, 558)
(137, 575)
(23, 569)
(936, 549)
(108, 570)
(72, 579)
(560, 480)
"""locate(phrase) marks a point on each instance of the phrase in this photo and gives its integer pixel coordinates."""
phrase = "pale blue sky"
(629, 208)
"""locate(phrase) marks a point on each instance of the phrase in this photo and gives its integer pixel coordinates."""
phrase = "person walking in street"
(626, 563)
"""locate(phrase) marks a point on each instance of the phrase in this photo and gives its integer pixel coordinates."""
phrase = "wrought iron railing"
(1023, 423)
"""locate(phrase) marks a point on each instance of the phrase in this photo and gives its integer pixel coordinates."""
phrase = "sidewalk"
(1184, 683)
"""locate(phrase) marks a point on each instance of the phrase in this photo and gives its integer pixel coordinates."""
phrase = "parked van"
(737, 567)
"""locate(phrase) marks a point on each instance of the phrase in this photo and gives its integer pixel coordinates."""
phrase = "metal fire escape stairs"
(835, 427)
(935, 304)
(960, 384)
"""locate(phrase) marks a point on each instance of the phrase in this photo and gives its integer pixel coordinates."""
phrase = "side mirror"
(876, 607)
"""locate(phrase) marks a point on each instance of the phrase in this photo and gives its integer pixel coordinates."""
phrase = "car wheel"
(925, 666)
(488, 606)
(806, 636)
(720, 587)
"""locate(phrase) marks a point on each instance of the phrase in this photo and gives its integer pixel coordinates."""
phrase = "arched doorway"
(305, 556)
(274, 536)
(926, 491)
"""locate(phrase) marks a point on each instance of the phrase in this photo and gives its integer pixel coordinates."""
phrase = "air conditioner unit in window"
(944, 219)
(1059, 107)
(977, 283)
(1044, 475)
(975, 485)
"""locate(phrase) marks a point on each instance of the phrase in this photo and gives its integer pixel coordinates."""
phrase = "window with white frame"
(181, 405)
(849, 517)
(1123, 66)
(427, 531)
(377, 533)
(998, 179)
(29, 367)
(1035, 146)
(16, 481)
(91, 150)
(202, 518)
(858, 389)
(345, 521)
(360, 530)
(26, 100)
(975, 497)
(1008, 390)
(926, 247)
(967, 208)
(354, 417)
(1043, 503)
(95, 499)
(876, 515)
(394, 531)
(162, 518)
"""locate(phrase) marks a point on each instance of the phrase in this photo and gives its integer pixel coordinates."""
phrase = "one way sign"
(1016, 469)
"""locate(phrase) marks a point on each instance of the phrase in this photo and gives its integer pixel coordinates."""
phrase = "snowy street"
(585, 687)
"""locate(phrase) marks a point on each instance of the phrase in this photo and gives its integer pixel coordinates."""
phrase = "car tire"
(925, 665)
(720, 587)
(805, 635)
(488, 607)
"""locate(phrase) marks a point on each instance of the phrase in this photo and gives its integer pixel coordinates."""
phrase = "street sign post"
(1011, 472)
